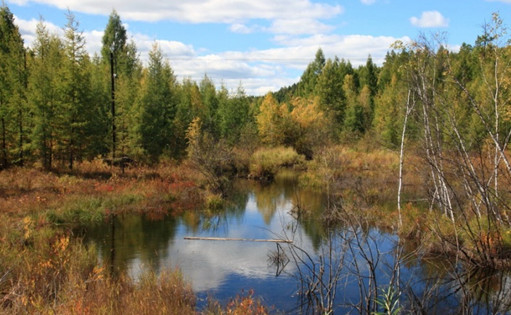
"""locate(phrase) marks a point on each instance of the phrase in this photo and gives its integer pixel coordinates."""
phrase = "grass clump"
(265, 163)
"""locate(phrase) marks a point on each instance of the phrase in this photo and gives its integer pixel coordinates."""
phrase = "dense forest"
(444, 115)
(59, 104)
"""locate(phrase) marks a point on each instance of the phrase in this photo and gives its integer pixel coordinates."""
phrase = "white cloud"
(243, 29)
(299, 26)
(430, 19)
(368, 2)
(203, 11)
(28, 27)
(504, 1)
(258, 70)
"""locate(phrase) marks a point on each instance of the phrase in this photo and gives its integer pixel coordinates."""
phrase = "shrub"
(265, 163)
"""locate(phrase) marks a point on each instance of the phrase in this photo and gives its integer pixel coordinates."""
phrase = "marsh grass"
(266, 162)
(45, 269)
(365, 182)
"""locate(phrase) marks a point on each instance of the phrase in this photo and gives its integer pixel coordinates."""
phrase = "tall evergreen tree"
(210, 101)
(76, 91)
(158, 107)
(44, 94)
(189, 107)
(234, 114)
(332, 99)
(114, 54)
(309, 79)
(13, 80)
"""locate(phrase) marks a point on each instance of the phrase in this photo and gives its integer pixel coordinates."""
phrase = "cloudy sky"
(263, 44)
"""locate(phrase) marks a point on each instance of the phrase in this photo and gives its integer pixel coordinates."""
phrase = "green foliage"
(309, 79)
(89, 210)
(13, 108)
(43, 95)
(331, 95)
(388, 301)
(233, 114)
(114, 39)
(158, 104)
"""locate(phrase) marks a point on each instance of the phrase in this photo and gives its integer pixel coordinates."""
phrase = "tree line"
(59, 105)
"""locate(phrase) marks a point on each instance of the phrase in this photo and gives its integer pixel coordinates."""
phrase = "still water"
(360, 262)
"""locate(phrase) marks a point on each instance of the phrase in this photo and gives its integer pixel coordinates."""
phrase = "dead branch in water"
(235, 239)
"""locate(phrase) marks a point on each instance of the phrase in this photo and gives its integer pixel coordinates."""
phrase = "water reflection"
(356, 252)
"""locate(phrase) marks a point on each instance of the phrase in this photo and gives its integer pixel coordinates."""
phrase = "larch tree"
(332, 99)
(270, 121)
(158, 104)
(13, 81)
(354, 121)
(210, 100)
(44, 94)
(309, 79)
(76, 91)
(189, 107)
(122, 63)
(234, 114)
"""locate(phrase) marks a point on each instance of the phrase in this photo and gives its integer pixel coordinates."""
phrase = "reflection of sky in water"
(225, 268)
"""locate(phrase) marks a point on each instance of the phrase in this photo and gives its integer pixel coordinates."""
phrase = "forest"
(74, 125)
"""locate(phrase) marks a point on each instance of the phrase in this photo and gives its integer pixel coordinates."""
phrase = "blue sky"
(264, 44)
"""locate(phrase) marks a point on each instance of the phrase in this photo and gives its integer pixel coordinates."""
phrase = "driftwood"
(192, 238)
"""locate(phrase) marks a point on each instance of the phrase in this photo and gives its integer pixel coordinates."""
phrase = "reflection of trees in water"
(440, 280)
(212, 220)
(268, 199)
(133, 234)
(492, 289)
(353, 250)
(356, 265)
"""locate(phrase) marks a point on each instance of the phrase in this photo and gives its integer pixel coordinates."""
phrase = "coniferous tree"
(189, 107)
(332, 99)
(77, 110)
(309, 79)
(123, 73)
(210, 100)
(354, 122)
(13, 80)
(44, 94)
(158, 107)
(234, 114)
(128, 87)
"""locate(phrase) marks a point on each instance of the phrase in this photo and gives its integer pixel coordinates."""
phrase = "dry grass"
(44, 269)
(266, 162)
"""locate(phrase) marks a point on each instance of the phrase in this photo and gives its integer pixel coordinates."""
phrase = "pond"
(346, 268)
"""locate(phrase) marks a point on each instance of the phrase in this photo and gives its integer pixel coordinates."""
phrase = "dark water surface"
(223, 269)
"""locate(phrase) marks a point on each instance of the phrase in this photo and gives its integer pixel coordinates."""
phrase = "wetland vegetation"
(393, 182)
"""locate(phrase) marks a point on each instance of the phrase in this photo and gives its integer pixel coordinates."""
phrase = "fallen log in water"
(193, 238)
